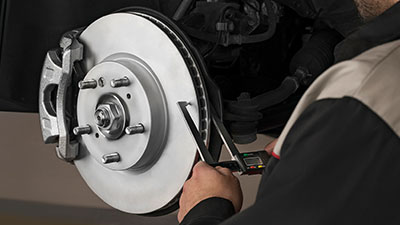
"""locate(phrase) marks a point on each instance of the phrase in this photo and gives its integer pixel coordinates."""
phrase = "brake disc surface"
(141, 69)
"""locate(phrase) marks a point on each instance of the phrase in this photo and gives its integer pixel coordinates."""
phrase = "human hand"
(270, 147)
(207, 182)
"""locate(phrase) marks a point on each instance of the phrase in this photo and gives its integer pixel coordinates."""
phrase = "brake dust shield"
(139, 152)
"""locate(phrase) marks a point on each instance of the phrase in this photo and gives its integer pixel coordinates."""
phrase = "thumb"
(224, 171)
(201, 166)
(270, 147)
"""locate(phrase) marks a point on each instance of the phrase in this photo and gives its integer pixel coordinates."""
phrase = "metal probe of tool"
(245, 163)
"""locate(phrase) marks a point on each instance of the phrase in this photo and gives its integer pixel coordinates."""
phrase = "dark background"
(28, 29)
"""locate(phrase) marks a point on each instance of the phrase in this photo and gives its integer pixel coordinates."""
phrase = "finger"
(224, 171)
(201, 166)
(186, 185)
(182, 209)
(270, 147)
(180, 217)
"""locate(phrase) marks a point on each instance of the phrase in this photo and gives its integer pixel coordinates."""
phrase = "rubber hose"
(317, 54)
(276, 96)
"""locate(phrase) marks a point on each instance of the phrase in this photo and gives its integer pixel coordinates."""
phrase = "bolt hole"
(97, 135)
(101, 82)
(129, 96)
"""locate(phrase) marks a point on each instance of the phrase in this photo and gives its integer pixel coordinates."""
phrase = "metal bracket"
(55, 82)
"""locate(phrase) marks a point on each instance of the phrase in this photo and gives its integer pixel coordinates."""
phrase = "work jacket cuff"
(210, 211)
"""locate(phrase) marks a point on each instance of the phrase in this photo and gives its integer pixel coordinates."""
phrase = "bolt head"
(102, 117)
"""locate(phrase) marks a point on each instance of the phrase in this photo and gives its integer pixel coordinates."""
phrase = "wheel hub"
(120, 104)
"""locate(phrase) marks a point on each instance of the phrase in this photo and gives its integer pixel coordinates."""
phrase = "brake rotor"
(138, 153)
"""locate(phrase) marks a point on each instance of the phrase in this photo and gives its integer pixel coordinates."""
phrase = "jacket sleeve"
(210, 211)
(338, 165)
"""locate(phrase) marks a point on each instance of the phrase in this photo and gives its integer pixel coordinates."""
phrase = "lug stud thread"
(82, 130)
(111, 158)
(137, 129)
(87, 84)
(124, 82)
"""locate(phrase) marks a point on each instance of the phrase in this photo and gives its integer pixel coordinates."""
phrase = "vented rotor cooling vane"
(130, 143)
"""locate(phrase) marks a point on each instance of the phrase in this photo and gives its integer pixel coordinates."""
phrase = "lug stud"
(87, 84)
(138, 129)
(124, 82)
(111, 158)
(82, 130)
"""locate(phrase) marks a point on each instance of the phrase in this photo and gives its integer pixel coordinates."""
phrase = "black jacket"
(338, 158)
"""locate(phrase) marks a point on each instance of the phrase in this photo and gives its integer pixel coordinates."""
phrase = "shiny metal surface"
(82, 130)
(111, 116)
(129, 45)
(147, 105)
(51, 75)
(201, 147)
(102, 117)
(137, 129)
(72, 53)
(87, 84)
(123, 82)
(111, 158)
